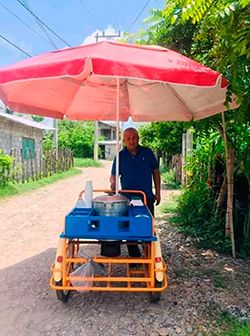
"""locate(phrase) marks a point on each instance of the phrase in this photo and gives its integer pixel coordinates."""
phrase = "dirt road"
(30, 225)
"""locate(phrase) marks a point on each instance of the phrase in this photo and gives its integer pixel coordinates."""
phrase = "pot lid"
(111, 198)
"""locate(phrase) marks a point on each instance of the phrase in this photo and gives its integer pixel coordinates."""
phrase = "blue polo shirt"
(136, 170)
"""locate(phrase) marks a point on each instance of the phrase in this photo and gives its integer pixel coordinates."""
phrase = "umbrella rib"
(71, 80)
(74, 81)
(180, 99)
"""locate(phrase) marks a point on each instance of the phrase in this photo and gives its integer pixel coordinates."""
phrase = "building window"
(28, 145)
(106, 133)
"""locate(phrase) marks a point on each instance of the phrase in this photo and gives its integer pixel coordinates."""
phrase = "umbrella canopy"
(155, 84)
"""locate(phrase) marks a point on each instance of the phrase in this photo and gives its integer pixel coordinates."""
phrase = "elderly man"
(137, 166)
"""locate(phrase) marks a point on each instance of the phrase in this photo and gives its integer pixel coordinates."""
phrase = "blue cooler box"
(83, 223)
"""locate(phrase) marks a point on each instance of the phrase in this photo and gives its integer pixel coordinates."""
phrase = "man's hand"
(112, 182)
(157, 183)
(112, 186)
(157, 199)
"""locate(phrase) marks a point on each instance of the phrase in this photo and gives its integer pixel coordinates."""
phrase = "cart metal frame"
(150, 274)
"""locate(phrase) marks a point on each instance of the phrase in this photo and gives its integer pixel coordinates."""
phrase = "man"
(137, 166)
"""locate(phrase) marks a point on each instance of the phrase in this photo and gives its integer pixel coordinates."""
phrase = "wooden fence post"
(23, 167)
(40, 162)
(183, 161)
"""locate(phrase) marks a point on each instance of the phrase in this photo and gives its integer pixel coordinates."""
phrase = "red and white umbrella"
(114, 81)
(155, 84)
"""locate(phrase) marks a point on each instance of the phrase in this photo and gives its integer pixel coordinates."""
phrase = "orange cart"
(136, 274)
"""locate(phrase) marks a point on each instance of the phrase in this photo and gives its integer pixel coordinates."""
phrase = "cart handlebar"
(109, 191)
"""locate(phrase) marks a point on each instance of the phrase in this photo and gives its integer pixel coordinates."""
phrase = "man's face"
(131, 140)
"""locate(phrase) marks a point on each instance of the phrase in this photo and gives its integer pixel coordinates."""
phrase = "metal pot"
(115, 205)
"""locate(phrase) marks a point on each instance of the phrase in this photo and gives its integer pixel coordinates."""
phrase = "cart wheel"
(155, 296)
(62, 295)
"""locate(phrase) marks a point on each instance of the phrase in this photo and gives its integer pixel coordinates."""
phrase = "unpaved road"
(30, 225)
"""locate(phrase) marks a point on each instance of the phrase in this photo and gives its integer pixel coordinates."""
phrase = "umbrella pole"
(117, 135)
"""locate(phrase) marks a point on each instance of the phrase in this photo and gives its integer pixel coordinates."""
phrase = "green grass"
(14, 189)
(86, 162)
(230, 325)
(239, 330)
(171, 205)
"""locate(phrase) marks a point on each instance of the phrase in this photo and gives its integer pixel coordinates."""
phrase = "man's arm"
(157, 183)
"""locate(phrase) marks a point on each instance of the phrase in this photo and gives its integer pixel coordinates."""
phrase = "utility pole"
(55, 136)
(96, 134)
(103, 35)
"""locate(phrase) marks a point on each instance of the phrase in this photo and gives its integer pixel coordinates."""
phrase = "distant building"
(107, 144)
(21, 137)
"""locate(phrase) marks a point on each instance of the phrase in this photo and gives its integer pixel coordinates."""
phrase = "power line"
(14, 45)
(140, 13)
(112, 13)
(16, 16)
(92, 17)
(43, 23)
(40, 25)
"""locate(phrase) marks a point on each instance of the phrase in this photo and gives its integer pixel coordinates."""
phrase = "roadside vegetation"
(86, 162)
(8, 188)
(11, 189)
(237, 331)
(168, 177)
(232, 326)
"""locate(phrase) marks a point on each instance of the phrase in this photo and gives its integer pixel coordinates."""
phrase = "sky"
(75, 21)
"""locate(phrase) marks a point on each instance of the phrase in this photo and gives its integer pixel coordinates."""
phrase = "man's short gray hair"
(130, 129)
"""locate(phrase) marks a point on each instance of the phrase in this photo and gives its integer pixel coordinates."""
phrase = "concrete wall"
(109, 152)
(107, 131)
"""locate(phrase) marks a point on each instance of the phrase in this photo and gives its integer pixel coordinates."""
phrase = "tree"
(165, 138)
(78, 136)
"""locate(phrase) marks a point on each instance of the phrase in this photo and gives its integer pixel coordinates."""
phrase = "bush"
(169, 178)
(196, 217)
(5, 168)
(48, 142)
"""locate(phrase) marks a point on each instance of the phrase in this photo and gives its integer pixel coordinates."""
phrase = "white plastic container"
(88, 194)
(80, 203)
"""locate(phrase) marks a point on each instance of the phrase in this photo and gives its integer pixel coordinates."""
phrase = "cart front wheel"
(62, 295)
(155, 296)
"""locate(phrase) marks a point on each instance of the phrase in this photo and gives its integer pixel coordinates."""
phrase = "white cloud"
(108, 31)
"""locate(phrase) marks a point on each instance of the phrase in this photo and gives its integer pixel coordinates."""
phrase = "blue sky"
(76, 21)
